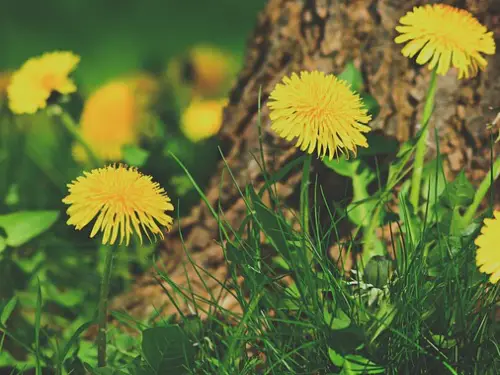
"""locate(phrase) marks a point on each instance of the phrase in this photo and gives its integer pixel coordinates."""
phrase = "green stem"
(304, 195)
(103, 308)
(481, 192)
(71, 127)
(418, 167)
(304, 209)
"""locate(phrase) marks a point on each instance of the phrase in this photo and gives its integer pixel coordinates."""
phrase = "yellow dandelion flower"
(124, 201)
(202, 119)
(109, 121)
(445, 36)
(488, 254)
(320, 111)
(33, 83)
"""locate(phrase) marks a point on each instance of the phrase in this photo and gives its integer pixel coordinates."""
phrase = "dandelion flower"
(124, 201)
(488, 254)
(445, 36)
(202, 119)
(210, 69)
(33, 83)
(320, 111)
(108, 122)
(204, 71)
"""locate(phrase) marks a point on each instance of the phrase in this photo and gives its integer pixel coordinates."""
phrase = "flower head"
(488, 255)
(210, 68)
(320, 111)
(109, 121)
(33, 83)
(202, 119)
(445, 36)
(124, 201)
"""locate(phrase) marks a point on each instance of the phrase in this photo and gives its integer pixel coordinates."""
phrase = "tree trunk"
(295, 35)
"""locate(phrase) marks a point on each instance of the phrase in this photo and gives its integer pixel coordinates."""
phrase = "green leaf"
(23, 226)
(412, 226)
(352, 76)
(336, 358)
(377, 145)
(3, 244)
(73, 339)
(167, 349)
(356, 364)
(459, 193)
(432, 188)
(337, 321)
(377, 271)
(7, 310)
(363, 205)
(343, 166)
(134, 155)
(398, 168)
(273, 225)
(370, 103)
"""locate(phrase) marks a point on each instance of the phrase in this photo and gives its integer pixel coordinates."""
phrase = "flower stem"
(416, 178)
(304, 195)
(71, 127)
(481, 192)
(101, 339)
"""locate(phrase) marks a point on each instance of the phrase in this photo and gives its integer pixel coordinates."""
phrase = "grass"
(421, 307)
(404, 297)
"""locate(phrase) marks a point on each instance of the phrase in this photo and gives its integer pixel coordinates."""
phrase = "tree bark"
(295, 35)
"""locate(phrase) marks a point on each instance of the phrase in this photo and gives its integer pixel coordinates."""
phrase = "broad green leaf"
(377, 271)
(337, 320)
(356, 364)
(336, 358)
(167, 349)
(23, 226)
(363, 206)
(459, 193)
(353, 76)
(343, 166)
(378, 144)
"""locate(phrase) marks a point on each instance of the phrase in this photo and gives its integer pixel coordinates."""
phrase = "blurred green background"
(115, 37)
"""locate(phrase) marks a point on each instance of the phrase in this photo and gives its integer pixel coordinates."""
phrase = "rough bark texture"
(294, 35)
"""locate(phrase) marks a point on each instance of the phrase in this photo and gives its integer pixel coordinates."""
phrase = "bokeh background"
(115, 40)
(115, 37)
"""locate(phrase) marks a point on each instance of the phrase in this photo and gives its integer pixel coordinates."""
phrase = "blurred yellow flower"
(445, 36)
(145, 88)
(124, 201)
(204, 71)
(202, 119)
(33, 83)
(488, 254)
(320, 111)
(109, 122)
(211, 68)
